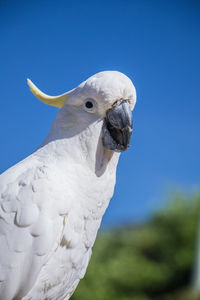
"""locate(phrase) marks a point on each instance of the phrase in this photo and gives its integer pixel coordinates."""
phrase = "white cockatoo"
(52, 202)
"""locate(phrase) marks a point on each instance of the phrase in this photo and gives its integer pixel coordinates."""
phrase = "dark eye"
(89, 104)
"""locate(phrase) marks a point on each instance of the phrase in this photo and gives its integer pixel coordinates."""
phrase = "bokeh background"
(58, 44)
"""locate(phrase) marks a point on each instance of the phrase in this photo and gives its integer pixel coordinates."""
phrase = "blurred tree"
(151, 261)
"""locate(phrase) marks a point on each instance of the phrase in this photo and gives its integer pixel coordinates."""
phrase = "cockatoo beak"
(118, 126)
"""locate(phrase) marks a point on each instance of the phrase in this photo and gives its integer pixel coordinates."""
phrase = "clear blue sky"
(58, 44)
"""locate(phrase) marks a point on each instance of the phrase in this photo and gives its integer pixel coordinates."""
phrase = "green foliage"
(151, 261)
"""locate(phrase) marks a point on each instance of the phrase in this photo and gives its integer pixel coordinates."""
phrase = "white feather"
(52, 203)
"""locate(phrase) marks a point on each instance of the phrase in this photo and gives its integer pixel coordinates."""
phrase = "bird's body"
(51, 206)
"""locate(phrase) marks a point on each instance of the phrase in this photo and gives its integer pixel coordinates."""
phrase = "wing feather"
(29, 231)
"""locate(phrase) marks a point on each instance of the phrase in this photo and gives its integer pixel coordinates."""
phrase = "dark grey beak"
(118, 127)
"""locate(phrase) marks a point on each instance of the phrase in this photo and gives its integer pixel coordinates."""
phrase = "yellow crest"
(57, 101)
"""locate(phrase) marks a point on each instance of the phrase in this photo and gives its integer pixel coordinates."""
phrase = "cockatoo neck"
(77, 136)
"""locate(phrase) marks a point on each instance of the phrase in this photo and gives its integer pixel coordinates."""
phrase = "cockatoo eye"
(89, 105)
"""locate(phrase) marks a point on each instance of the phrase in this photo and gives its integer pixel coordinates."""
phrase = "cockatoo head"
(106, 96)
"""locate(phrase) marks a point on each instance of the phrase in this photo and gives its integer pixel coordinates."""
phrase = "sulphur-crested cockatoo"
(52, 203)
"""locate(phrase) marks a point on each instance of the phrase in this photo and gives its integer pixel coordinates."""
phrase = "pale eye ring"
(89, 105)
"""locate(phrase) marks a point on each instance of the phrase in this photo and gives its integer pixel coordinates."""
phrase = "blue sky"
(58, 44)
